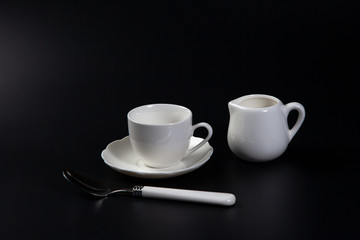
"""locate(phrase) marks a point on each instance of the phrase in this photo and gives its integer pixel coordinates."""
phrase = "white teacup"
(258, 129)
(160, 133)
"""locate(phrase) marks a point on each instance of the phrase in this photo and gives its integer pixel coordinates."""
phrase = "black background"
(70, 72)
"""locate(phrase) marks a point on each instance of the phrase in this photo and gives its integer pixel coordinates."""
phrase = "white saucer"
(120, 156)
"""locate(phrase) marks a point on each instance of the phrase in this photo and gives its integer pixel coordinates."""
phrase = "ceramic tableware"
(160, 134)
(120, 156)
(258, 129)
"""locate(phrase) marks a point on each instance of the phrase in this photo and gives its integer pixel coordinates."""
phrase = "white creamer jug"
(258, 129)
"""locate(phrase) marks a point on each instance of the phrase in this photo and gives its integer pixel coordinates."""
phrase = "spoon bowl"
(90, 185)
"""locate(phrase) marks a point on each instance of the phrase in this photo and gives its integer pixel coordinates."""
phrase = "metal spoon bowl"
(93, 186)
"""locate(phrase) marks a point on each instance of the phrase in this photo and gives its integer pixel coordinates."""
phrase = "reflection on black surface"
(98, 204)
(268, 195)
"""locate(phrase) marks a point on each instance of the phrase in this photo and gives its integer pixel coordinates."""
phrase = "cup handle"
(301, 110)
(210, 132)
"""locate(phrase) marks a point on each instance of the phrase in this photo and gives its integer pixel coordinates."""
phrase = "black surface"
(69, 73)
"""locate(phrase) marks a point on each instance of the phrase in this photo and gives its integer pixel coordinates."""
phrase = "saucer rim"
(161, 173)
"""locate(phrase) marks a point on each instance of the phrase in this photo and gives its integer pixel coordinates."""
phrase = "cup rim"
(159, 105)
(252, 96)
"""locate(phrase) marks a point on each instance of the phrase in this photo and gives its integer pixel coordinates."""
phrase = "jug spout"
(232, 107)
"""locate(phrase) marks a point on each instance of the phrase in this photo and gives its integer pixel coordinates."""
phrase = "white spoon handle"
(225, 199)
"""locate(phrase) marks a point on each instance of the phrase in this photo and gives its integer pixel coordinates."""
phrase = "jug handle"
(301, 110)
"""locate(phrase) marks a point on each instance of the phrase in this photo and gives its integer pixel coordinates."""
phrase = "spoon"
(99, 189)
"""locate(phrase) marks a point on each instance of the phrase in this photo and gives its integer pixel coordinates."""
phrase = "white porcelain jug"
(258, 129)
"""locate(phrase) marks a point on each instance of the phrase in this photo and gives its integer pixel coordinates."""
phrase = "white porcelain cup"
(258, 128)
(160, 133)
